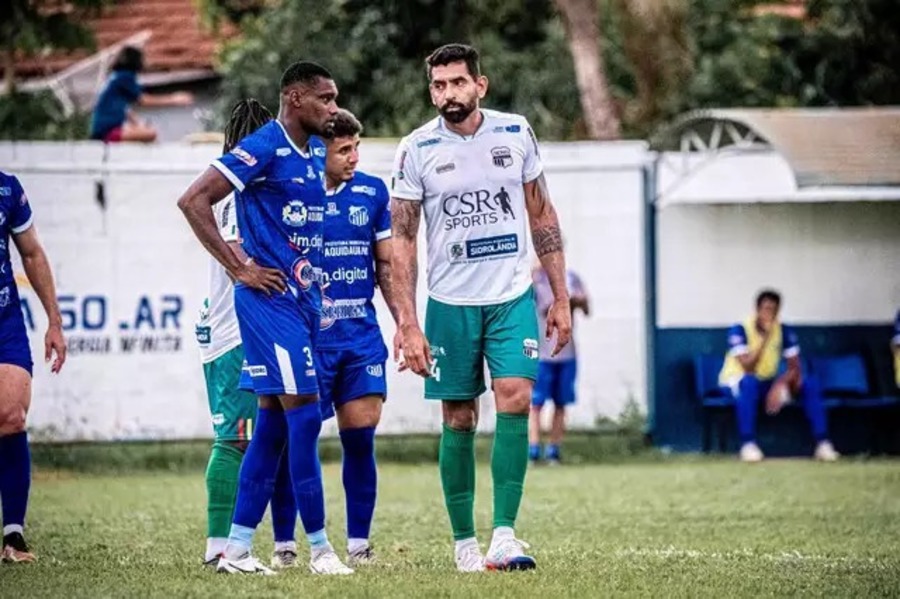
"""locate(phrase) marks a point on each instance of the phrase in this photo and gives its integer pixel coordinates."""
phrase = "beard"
(456, 112)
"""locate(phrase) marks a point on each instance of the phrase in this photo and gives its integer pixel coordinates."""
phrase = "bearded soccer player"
(278, 173)
(350, 349)
(477, 174)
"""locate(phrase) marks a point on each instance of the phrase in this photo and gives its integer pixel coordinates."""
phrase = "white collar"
(336, 190)
(291, 141)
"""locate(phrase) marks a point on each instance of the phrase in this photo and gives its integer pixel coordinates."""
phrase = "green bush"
(39, 116)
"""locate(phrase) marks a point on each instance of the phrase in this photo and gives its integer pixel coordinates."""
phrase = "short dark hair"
(768, 295)
(130, 58)
(246, 117)
(344, 124)
(305, 72)
(450, 53)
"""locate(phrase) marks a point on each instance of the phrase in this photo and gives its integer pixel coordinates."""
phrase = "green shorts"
(233, 411)
(463, 337)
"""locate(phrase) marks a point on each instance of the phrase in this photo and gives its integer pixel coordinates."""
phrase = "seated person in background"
(751, 372)
(895, 346)
(113, 119)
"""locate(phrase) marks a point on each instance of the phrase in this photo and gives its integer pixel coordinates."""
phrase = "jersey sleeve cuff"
(532, 174)
(792, 352)
(410, 196)
(24, 226)
(226, 172)
(382, 235)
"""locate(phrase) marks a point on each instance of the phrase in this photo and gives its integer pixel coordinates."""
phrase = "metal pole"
(649, 174)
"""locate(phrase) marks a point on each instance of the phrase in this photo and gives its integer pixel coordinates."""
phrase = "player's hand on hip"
(559, 319)
(416, 351)
(259, 277)
(55, 343)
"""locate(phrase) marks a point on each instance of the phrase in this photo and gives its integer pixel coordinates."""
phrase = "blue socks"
(256, 483)
(534, 451)
(15, 479)
(360, 480)
(552, 452)
(284, 509)
(304, 424)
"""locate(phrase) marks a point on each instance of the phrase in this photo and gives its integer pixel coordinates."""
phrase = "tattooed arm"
(405, 217)
(383, 277)
(547, 240)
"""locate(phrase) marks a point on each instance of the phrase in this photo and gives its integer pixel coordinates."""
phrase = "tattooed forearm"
(547, 240)
(546, 235)
(405, 216)
(385, 282)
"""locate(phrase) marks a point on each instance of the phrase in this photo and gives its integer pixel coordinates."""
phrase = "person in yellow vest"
(895, 346)
(752, 371)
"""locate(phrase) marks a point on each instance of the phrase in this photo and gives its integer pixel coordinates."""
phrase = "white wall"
(140, 247)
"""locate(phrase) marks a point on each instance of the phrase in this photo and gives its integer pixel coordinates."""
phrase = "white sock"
(286, 546)
(214, 547)
(357, 545)
(11, 528)
(502, 533)
(465, 543)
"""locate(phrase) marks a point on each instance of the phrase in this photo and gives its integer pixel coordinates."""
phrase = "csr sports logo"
(477, 208)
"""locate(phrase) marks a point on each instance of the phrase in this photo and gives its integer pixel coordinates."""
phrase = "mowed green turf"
(683, 529)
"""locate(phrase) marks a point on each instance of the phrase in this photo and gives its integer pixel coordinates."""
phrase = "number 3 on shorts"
(309, 358)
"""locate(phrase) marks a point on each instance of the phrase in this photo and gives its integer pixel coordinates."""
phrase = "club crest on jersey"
(294, 214)
(359, 216)
(502, 156)
(304, 273)
(244, 156)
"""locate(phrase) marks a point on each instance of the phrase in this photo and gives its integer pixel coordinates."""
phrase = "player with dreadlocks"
(233, 410)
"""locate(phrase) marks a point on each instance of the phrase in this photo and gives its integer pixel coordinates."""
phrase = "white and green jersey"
(474, 203)
(217, 330)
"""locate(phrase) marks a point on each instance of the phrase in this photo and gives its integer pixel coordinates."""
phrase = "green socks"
(509, 461)
(457, 467)
(221, 488)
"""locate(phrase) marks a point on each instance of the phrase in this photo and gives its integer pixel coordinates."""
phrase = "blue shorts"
(14, 346)
(556, 381)
(279, 343)
(348, 374)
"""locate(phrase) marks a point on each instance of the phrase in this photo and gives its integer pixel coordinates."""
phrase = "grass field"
(686, 528)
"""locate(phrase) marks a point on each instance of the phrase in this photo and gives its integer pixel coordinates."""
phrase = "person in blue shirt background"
(350, 350)
(113, 120)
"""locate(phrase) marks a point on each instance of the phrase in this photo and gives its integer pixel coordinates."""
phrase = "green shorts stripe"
(462, 338)
(233, 411)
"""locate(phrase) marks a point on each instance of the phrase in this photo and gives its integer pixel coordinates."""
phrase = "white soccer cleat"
(245, 565)
(825, 452)
(751, 453)
(364, 557)
(283, 559)
(469, 559)
(327, 562)
(508, 554)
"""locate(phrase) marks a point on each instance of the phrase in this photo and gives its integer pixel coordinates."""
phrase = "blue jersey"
(121, 90)
(357, 216)
(279, 200)
(15, 217)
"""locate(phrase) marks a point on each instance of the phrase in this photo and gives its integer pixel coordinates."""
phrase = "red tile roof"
(179, 41)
